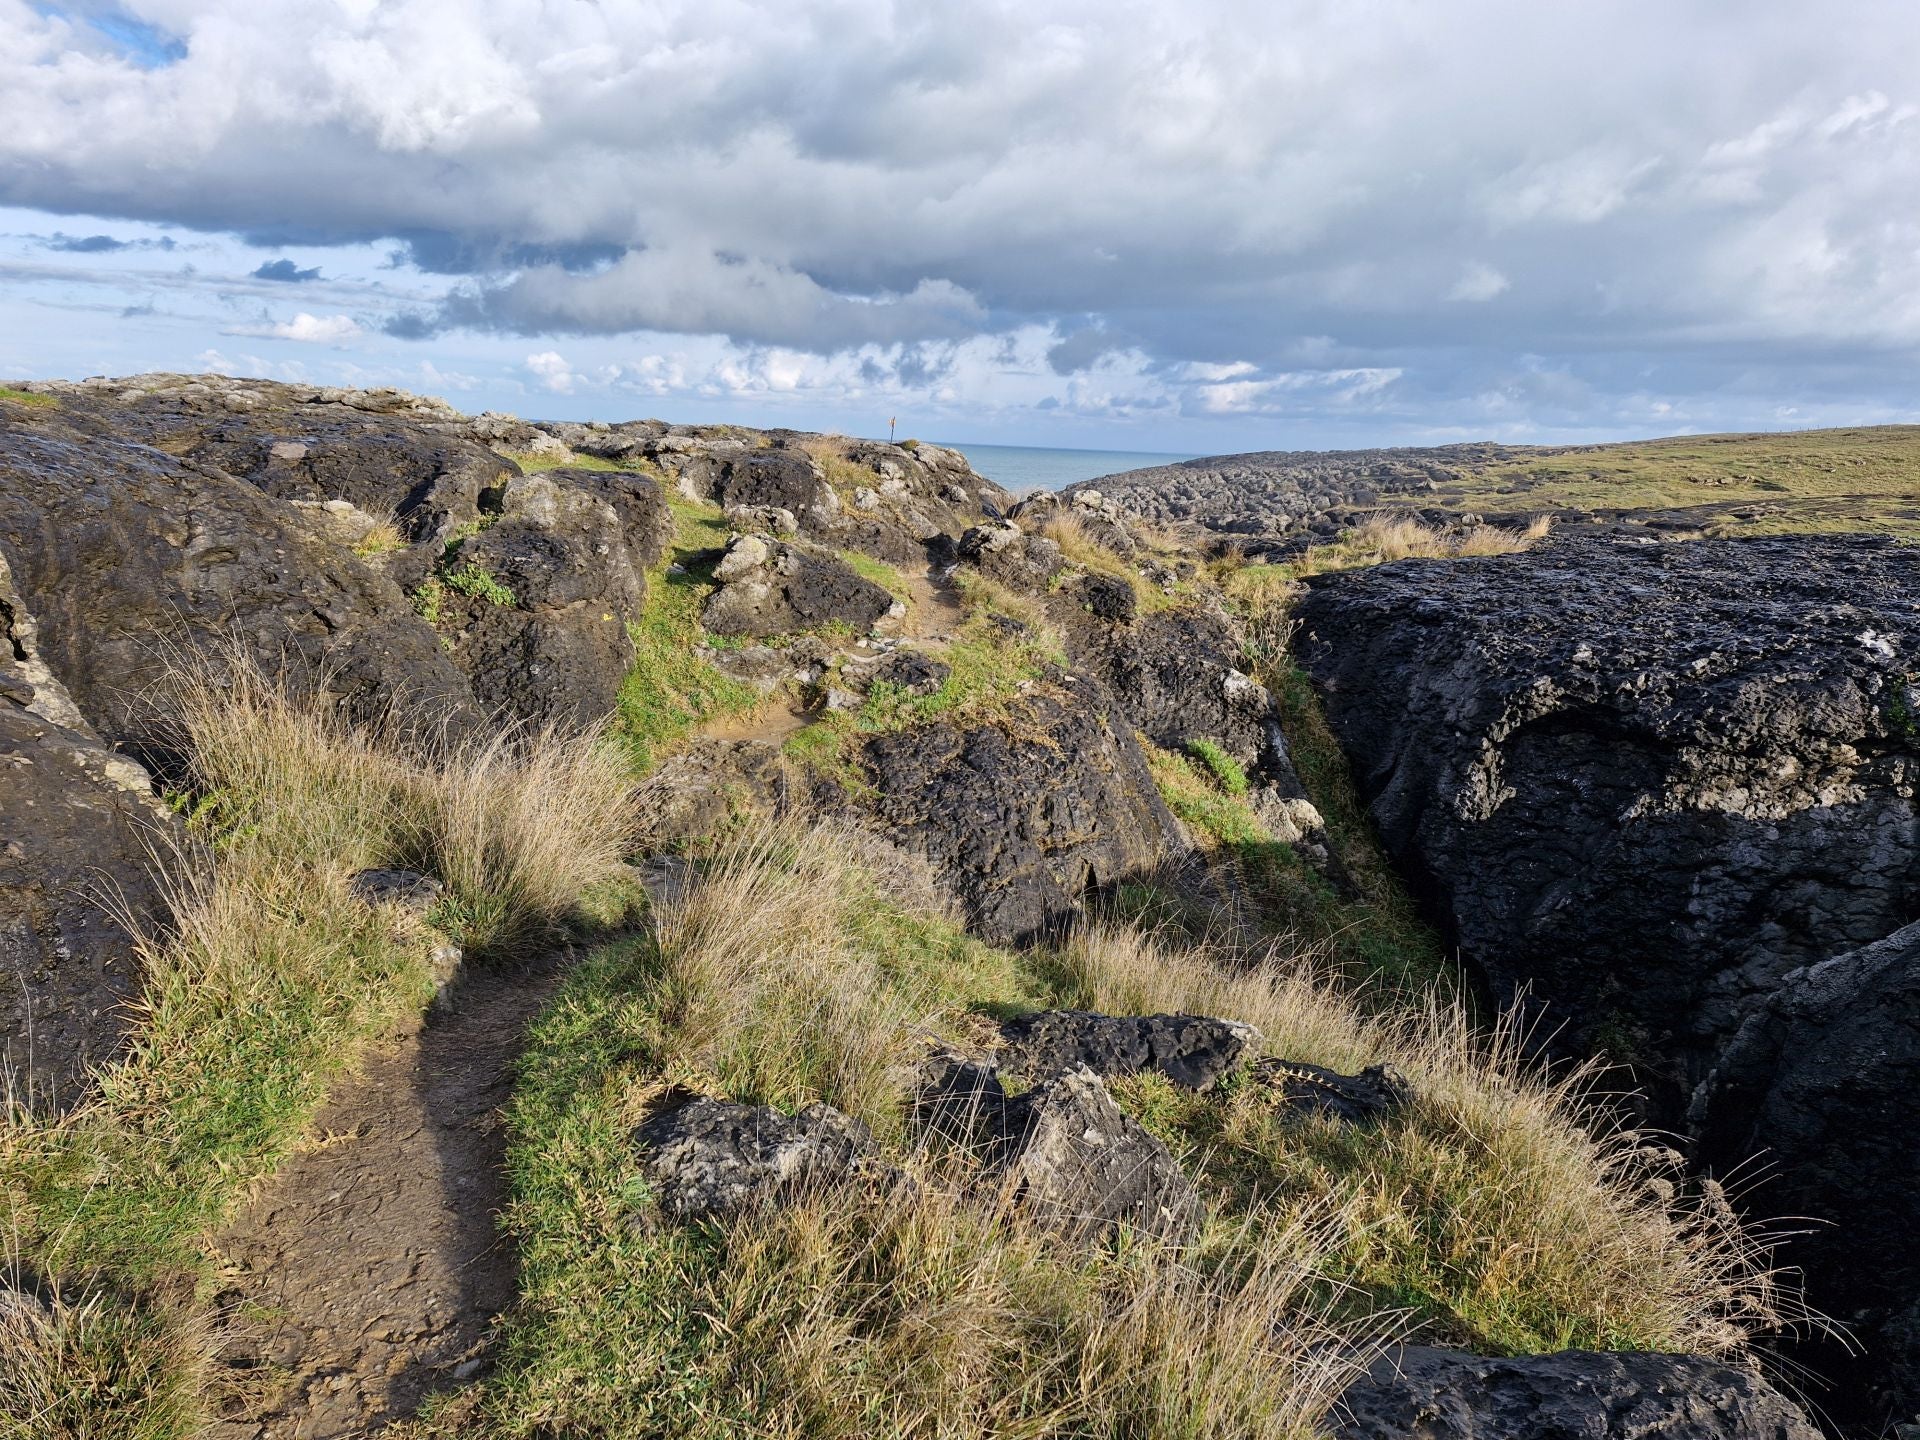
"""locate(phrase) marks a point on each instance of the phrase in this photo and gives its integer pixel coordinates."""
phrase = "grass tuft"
(1486, 1214)
(267, 982)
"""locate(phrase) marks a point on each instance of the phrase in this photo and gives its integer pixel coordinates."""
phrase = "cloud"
(101, 244)
(308, 329)
(700, 293)
(551, 370)
(1479, 283)
(1125, 198)
(285, 271)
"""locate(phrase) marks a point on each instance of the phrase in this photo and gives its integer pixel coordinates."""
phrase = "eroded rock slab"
(1822, 1085)
(774, 587)
(1639, 781)
(1022, 822)
(1087, 1167)
(1190, 1050)
(1419, 1393)
(713, 1157)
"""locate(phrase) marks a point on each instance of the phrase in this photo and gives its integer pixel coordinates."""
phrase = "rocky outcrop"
(78, 834)
(539, 600)
(1024, 821)
(713, 1157)
(775, 587)
(1087, 1168)
(1194, 1051)
(1277, 492)
(1822, 1084)
(1311, 1090)
(1639, 782)
(1064, 1149)
(128, 556)
(1419, 1393)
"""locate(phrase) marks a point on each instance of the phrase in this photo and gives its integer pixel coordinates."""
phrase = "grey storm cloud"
(101, 244)
(286, 272)
(1439, 191)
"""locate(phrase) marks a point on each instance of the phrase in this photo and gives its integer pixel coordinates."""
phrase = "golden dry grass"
(1486, 1215)
(267, 981)
(1494, 1171)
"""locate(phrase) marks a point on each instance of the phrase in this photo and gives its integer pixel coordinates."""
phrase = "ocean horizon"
(1040, 467)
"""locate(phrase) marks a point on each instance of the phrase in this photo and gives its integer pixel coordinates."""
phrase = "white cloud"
(305, 328)
(1479, 283)
(551, 369)
(1108, 207)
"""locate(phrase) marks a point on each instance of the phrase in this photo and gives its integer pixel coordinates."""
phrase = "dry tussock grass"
(1496, 1162)
(926, 1312)
(1081, 546)
(1384, 538)
(266, 982)
(516, 825)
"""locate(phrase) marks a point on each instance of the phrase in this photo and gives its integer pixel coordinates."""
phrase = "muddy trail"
(366, 1276)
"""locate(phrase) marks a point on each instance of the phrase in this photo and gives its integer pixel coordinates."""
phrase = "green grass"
(477, 582)
(886, 576)
(1224, 770)
(268, 984)
(31, 399)
(671, 687)
(1484, 1215)
(1372, 933)
(1864, 479)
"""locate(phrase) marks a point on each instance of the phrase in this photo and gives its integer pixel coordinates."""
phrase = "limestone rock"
(713, 1157)
(1195, 1051)
(778, 587)
(1822, 1083)
(1642, 781)
(1419, 1393)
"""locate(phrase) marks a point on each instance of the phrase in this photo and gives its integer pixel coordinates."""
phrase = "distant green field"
(1813, 480)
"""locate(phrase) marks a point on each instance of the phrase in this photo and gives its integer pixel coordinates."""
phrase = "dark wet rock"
(1642, 781)
(409, 889)
(1191, 1050)
(1822, 1084)
(1174, 673)
(126, 554)
(1419, 1393)
(1363, 1099)
(1109, 598)
(560, 575)
(1087, 1168)
(909, 672)
(78, 829)
(712, 1157)
(961, 1100)
(788, 480)
(1022, 822)
(428, 481)
(771, 587)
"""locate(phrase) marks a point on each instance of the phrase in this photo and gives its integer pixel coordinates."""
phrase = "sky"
(1203, 226)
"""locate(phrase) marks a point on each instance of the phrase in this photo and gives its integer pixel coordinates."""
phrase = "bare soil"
(367, 1275)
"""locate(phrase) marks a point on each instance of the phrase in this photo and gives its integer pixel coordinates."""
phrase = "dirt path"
(933, 607)
(366, 1276)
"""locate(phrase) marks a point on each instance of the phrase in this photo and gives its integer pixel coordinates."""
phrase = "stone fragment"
(1194, 1051)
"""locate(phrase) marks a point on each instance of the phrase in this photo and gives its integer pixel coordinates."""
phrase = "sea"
(1036, 467)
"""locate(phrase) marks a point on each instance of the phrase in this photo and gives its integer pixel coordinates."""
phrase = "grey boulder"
(1418, 1393)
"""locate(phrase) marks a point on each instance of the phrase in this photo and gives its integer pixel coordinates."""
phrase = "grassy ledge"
(269, 981)
(672, 688)
(791, 972)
